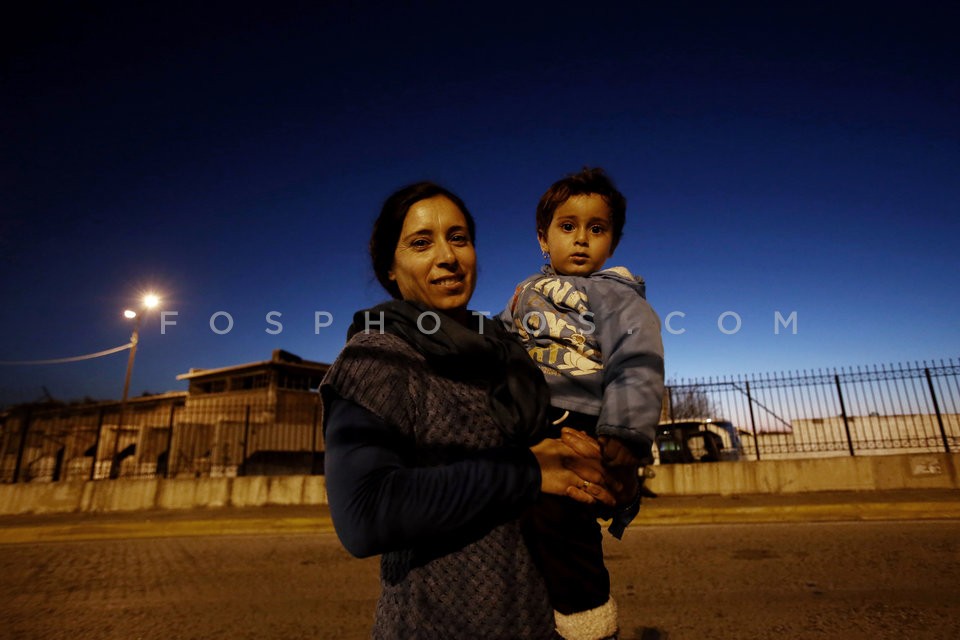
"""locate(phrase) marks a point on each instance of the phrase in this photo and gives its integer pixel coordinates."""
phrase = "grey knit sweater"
(476, 581)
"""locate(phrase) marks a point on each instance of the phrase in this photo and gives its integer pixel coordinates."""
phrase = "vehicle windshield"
(692, 441)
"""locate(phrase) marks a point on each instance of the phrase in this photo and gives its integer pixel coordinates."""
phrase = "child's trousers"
(566, 542)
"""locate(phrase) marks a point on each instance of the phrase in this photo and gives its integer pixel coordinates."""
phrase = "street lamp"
(150, 301)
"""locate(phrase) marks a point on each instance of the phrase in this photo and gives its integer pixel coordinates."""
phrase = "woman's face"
(435, 262)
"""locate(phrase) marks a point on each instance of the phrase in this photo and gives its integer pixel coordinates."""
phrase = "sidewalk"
(665, 510)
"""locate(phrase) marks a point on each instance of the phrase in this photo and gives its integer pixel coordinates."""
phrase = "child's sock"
(592, 624)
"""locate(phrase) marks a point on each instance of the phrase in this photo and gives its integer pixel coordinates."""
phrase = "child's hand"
(616, 453)
(620, 463)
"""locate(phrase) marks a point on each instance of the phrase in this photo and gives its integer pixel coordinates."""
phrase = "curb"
(87, 528)
(82, 531)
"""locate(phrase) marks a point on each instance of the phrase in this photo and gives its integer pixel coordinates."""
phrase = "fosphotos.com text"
(222, 322)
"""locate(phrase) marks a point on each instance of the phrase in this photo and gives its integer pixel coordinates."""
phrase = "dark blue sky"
(232, 157)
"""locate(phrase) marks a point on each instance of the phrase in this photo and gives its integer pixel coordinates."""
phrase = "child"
(597, 341)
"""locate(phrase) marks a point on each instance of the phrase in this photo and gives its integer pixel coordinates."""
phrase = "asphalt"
(938, 504)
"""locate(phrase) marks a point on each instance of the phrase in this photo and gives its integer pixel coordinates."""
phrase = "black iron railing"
(863, 410)
(857, 411)
(166, 437)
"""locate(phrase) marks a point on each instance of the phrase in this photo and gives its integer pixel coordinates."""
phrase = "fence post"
(23, 444)
(96, 444)
(58, 471)
(246, 439)
(313, 446)
(843, 412)
(753, 424)
(936, 408)
(670, 400)
(166, 469)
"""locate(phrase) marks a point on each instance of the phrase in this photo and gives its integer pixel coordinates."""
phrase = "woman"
(433, 420)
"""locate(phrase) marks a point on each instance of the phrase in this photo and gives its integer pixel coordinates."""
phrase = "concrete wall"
(138, 495)
(862, 473)
(868, 473)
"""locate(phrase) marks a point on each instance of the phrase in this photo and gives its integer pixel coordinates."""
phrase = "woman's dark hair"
(587, 182)
(386, 229)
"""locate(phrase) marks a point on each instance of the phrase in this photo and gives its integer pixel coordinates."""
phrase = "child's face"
(580, 236)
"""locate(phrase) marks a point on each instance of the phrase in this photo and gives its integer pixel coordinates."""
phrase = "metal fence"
(864, 410)
(164, 437)
(872, 410)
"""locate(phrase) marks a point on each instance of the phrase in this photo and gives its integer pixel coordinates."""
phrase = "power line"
(88, 356)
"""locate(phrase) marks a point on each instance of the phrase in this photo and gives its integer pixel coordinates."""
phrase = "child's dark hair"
(586, 182)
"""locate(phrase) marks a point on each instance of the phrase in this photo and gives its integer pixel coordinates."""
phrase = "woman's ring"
(586, 485)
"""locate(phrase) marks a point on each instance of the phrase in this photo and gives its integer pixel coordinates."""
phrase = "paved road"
(814, 580)
(800, 580)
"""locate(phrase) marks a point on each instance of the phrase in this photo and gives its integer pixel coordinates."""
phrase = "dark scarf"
(517, 393)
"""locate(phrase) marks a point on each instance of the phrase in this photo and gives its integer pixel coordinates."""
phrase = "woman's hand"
(574, 472)
(620, 466)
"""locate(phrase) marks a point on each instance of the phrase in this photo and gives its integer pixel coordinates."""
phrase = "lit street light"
(150, 301)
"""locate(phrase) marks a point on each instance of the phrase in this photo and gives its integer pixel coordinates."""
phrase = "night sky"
(233, 156)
